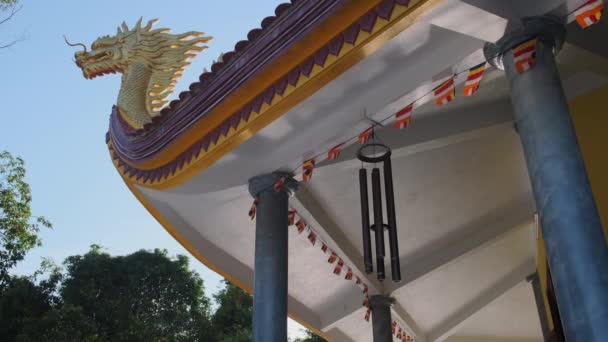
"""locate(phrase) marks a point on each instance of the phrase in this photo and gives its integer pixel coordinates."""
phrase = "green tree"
(232, 320)
(18, 227)
(310, 337)
(24, 301)
(144, 296)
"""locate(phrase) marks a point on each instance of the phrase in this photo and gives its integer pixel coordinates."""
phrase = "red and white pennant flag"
(404, 117)
(524, 55)
(368, 314)
(307, 168)
(445, 92)
(590, 13)
(474, 79)
(279, 184)
(332, 258)
(349, 274)
(253, 209)
(334, 153)
(324, 248)
(291, 217)
(365, 136)
(338, 268)
(312, 237)
(301, 225)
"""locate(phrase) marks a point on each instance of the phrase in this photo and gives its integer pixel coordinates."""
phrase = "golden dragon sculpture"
(150, 61)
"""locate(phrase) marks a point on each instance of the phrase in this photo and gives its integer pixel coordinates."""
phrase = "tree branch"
(14, 10)
(15, 41)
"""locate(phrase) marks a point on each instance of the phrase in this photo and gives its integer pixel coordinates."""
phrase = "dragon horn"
(77, 44)
(150, 24)
(125, 28)
(138, 25)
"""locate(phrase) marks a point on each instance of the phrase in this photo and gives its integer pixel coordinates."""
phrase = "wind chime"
(373, 152)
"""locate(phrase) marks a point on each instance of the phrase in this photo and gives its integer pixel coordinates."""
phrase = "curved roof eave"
(306, 46)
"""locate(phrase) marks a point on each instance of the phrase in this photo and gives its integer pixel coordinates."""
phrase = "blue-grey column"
(576, 246)
(271, 248)
(534, 281)
(381, 318)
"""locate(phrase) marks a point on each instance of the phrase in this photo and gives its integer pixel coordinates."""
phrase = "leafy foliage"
(6, 3)
(18, 228)
(144, 296)
(310, 337)
(232, 319)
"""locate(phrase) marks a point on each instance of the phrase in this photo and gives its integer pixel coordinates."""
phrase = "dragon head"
(151, 61)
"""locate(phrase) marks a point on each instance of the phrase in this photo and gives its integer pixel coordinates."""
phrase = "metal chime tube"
(392, 220)
(378, 222)
(367, 245)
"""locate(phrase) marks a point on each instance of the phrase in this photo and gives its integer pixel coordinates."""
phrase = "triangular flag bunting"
(301, 225)
(332, 258)
(312, 237)
(366, 135)
(399, 333)
(324, 247)
(308, 166)
(474, 79)
(349, 274)
(334, 153)
(338, 268)
(253, 209)
(368, 314)
(590, 13)
(445, 92)
(404, 117)
(393, 327)
(524, 55)
(279, 184)
(291, 217)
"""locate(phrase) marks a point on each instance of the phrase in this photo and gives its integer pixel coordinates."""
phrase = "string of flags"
(524, 56)
(340, 266)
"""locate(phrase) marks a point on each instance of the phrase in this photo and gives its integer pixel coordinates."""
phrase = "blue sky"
(56, 120)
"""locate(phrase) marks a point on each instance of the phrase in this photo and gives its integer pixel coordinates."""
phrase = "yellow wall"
(590, 115)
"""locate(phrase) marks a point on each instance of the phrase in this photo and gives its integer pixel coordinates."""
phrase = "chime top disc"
(373, 153)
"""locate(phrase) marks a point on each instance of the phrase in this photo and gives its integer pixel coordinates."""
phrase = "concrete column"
(576, 246)
(381, 318)
(540, 306)
(270, 272)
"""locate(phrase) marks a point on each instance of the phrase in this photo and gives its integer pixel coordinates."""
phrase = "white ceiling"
(465, 213)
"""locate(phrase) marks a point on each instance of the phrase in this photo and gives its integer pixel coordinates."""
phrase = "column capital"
(380, 301)
(266, 182)
(549, 29)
